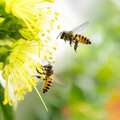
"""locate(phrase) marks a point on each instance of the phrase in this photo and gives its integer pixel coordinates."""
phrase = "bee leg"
(75, 46)
(44, 73)
(38, 76)
(44, 90)
(37, 70)
(44, 79)
(71, 42)
(65, 40)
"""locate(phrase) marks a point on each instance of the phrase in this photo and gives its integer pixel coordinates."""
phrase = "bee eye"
(64, 33)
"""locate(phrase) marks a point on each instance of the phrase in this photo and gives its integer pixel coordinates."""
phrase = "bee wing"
(81, 28)
(58, 80)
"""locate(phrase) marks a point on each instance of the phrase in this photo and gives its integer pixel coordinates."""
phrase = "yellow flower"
(19, 69)
(34, 19)
(18, 65)
(1, 19)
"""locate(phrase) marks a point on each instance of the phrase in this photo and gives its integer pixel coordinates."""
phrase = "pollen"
(10, 103)
(39, 65)
(48, 7)
(43, 34)
(56, 18)
(46, 41)
(18, 98)
(5, 102)
(48, 37)
(53, 61)
(22, 97)
(54, 48)
(29, 89)
(56, 14)
(1, 19)
(14, 101)
(53, 20)
(42, 77)
(42, 45)
(45, 56)
(50, 53)
(50, 57)
(48, 30)
(58, 27)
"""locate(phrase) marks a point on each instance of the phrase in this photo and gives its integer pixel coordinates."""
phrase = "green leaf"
(1, 114)
(2, 8)
(6, 111)
(10, 27)
(4, 52)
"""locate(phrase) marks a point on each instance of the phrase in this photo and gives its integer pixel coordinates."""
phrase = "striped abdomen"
(82, 39)
(47, 84)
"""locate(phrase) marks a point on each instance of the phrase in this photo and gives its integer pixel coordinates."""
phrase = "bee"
(74, 36)
(48, 80)
(48, 72)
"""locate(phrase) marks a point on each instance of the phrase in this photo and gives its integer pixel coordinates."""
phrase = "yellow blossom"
(18, 66)
(33, 18)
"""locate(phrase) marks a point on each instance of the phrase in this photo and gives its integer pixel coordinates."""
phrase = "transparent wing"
(81, 28)
(58, 80)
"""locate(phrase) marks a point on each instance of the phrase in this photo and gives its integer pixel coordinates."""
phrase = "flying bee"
(74, 36)
(48, 72)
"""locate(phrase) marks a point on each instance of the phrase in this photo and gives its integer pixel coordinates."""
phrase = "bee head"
(49, 66)
(63, 35)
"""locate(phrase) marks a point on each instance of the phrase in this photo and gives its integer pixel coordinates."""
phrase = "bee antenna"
(59, 35)
(48, 61)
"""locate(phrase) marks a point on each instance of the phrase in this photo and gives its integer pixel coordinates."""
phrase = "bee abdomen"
(84, 40)
(45, 90)
(50, 81)
(47, 85)
(88, 41)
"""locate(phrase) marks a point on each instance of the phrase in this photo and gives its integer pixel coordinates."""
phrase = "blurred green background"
(92, 76)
